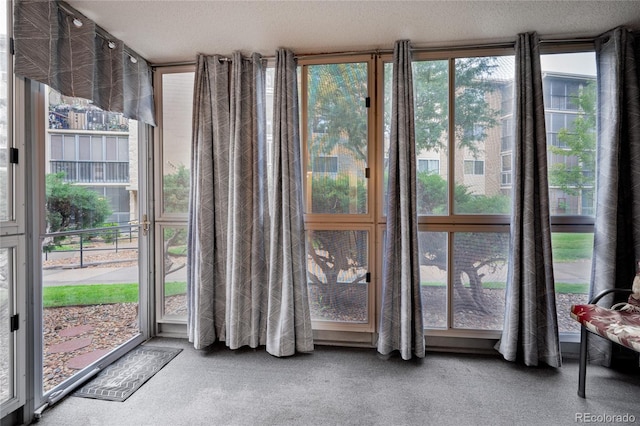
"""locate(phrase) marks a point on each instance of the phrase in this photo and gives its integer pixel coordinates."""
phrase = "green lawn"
(99, 294)
(560, 287)
(178, 250)
(568, 247)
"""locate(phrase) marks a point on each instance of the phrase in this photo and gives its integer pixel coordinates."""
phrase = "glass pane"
(84, 148)
(70, 148)
(6, 340)
(111, 148)
(90, 272)
(571, 131)
(484, 92)
(337, 139)
(123, 149)
(433, 278)
(337, 265)
(96, 148)
(177, 100)
(90, 298)
(479, 279)
(6, 184)
(174, 253)
(56, 147)
(431, 97)
(572, 254)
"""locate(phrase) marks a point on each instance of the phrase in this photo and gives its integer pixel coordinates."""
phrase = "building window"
(325, 164)
(90, 158)
(428, 166)
(474, 167)
(507, 166)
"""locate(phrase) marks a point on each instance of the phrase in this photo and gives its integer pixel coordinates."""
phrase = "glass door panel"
(7, 342)
(92, 245)
(174, 88)
(174, 272)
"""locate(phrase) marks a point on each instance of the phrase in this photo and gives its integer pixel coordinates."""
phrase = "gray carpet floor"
(345, 386)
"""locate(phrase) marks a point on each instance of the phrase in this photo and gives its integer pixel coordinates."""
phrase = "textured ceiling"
(172, 31)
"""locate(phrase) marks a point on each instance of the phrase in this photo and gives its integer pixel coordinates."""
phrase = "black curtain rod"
(496, 45)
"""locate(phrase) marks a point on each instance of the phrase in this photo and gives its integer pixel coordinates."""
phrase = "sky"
(583, 63)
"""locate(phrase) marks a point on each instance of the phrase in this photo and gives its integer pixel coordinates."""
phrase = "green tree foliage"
(338, 195)
(176, 190)
(578, 147)
(337, 110)
(176, 200)
(71, 207)
(473, 114)
(431, 100)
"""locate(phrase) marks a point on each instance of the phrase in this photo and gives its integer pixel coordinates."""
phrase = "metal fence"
(85, 241)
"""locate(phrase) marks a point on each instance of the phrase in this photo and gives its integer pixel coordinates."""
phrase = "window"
(428, 166)
(464, 204)
(337, 134)
(90, 158)
(325, 164)
(562, 91)
(473, 167)
(464, 116)
(506, 165)
(336, 110)
(13, 283)
(569, 81)
(177, 88)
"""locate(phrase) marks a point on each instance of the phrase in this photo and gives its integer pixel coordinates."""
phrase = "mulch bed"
(354, 309)
(110, 326)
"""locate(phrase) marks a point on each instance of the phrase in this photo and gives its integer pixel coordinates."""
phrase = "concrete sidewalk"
(571, 272)
(101, 275)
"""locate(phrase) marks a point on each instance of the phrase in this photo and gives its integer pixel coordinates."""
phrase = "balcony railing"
(92, 171)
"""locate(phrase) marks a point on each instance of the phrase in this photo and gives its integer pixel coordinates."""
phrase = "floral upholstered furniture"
(619, 326)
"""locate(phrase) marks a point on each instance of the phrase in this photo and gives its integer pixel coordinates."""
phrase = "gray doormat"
(121, 379)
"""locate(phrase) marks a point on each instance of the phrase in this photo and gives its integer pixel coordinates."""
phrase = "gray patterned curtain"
(108, 89)
(530, 330)
(247, 208)
(401, 326)
(234, 294)
(208, 202)
(289, 319)
(51, 49)
(617, 223)
(138, 89)
(58, 46)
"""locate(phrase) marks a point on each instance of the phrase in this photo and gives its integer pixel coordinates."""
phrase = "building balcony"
(92, 171)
